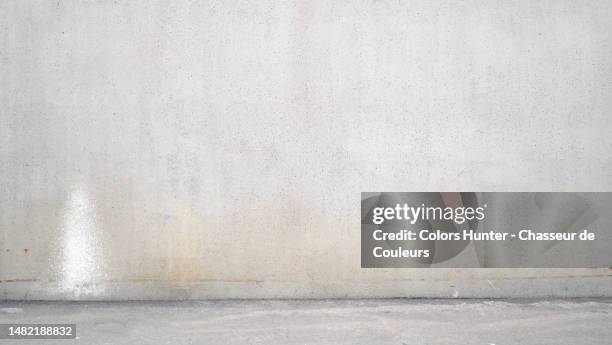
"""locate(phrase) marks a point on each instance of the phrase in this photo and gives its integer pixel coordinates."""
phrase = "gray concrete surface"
(396, 322)
(217, 149)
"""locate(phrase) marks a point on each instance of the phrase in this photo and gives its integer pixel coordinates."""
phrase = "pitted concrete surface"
(217, 149)
(402, 322)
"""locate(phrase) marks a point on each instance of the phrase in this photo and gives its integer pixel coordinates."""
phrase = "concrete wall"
(192, 149)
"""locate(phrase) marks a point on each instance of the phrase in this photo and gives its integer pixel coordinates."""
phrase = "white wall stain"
(81, 266)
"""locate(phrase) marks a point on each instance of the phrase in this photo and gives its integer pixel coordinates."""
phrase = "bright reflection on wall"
(81, 257)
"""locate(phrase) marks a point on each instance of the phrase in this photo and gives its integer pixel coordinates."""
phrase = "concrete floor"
(324, 322)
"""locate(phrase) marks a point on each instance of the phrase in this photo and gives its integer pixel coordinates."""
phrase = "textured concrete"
(381, 322)
(194, 149)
